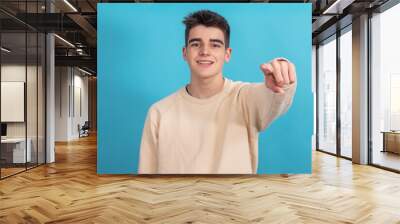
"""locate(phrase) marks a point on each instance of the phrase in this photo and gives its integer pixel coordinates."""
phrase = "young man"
(211, 126)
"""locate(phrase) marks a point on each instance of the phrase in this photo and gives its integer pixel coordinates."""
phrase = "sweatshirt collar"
(208, 100)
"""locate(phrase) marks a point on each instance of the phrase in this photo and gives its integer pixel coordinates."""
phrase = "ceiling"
(76, 22)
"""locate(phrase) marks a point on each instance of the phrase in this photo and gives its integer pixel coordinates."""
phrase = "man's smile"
(205, 63)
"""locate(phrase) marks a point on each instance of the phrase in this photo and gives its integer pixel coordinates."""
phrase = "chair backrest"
(86, 125)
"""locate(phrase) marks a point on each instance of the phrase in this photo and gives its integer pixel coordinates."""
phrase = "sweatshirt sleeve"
(148, 159)
(261, 105)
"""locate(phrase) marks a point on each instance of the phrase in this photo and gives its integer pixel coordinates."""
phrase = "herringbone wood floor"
(70, 191)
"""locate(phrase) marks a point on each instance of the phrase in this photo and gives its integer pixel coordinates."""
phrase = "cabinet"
(13, 150)
(391, 141)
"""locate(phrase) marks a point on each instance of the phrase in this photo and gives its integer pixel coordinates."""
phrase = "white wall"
(79, 117)
(12, 73)
(62, 81)
(71, 87)
(33, 127)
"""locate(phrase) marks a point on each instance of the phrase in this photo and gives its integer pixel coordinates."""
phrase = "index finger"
(267, 68)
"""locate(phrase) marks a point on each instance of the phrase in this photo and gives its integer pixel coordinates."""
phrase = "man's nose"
(204, 50)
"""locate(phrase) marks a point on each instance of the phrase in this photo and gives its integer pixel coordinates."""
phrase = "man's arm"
(149, 146)
(264, 102)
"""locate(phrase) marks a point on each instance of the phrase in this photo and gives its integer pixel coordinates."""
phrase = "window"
(23, 79)
(385, 89)
(327, 95)
(346, 92)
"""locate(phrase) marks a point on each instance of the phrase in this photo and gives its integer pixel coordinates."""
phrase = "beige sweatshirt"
(218, 135)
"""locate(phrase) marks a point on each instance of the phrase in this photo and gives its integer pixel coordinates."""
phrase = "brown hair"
(207, 18)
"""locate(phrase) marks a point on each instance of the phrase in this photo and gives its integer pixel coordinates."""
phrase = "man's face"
(205, 52)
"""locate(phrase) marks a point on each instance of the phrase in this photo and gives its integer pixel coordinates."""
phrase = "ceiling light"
(5, 50)
(84, 71)
(70, 5)
(338, 6)
(64, 40)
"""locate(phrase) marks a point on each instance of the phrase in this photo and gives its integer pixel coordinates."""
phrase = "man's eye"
(216, 45)
(195, 45)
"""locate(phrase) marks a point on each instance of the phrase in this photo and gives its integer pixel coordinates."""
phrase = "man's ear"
(228, 53)
(184, 53)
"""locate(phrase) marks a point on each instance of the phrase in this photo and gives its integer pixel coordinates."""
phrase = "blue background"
(140, 62)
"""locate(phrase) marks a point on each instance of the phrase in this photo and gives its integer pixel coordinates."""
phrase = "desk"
(15, 148)
(391, 141)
